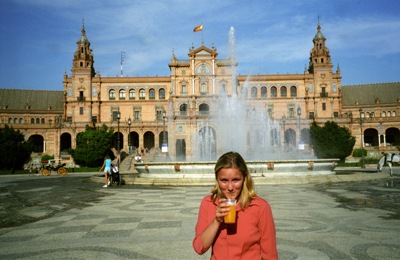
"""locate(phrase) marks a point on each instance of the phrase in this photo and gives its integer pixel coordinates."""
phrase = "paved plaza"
(71, 218)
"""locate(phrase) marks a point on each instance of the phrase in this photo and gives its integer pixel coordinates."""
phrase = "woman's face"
(230, 182)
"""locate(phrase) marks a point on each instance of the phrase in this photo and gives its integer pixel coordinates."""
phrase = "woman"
(253, 235)
(107, 169)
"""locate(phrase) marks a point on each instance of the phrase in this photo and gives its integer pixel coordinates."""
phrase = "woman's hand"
(222, 210)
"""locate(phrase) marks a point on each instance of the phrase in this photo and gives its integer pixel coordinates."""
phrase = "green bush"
(358, 152)
(46, 157)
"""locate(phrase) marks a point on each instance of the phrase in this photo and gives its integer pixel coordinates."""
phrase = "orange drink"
(231, 217)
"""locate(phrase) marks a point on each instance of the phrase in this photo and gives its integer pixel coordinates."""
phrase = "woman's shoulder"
(259, 202)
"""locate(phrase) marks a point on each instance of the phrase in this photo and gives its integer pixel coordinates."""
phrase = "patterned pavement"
(338, 221)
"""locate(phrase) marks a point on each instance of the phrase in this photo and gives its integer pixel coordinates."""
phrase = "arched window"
(273, 92)
(142, 94)
(388, 114)
(32, 120)
(152, 94)
(182, 109)
(253, 92)
(263, 92)
(37, 120)
(132, 94)
(203, 109)
(42, 121)
(383, 114)
(122, 94)
(161, 94)
(111, 94)
(283, 91)
(293, 91)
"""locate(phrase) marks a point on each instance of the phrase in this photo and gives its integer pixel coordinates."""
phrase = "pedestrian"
(253, 234)
(107, 171)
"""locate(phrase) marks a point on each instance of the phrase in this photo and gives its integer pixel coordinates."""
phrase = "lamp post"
(118, 118)
(129, 134)
(164, 147)
(362, 141)
(299, 114)
(284, 130)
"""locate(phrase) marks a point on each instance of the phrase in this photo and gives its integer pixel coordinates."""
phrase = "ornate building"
(166, 114)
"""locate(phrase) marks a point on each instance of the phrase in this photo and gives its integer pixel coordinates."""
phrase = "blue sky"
(38, 37)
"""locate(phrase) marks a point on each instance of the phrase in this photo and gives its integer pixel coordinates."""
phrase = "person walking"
(107, 171)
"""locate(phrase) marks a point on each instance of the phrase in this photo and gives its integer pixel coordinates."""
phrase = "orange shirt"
(252, 237)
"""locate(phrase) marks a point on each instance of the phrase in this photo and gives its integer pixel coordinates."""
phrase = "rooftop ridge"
(367, 84)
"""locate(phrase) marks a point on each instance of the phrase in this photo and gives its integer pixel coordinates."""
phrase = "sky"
(38, 37)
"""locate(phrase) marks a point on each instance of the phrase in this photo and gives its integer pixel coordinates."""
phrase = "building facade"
(166, 115)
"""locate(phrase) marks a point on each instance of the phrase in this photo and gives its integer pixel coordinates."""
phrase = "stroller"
(115, 177)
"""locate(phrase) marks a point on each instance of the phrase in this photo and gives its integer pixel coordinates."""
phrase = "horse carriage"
(51, 166)
(388, 159)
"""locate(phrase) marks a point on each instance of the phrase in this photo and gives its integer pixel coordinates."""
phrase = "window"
(283, 91)
(323, 106)
(273, 92)
(94, 91)
(184, 89)
(152, 94)
(263, 92)
(81, 110)
(335, 114)
(37, 120)
(383, 114)
(291, 112)
(132, 94)
(115, 115)
(223, 89)
(253, 92)
(203, 109)
(32, 120)
(293, 91)
(137, 115)
(142, 94)
(311, 115)
(15, 120)
(10, 120)
(203, 88)
(182, 110)
(122, 94)
(42, 121)
(111, 94)
(94, 119)
(81, 97)
(161, 94)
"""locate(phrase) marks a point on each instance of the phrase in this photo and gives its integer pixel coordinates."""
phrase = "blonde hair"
(234, 160)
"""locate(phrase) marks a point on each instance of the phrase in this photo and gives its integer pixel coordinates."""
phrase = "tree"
(331, 140)
(14, 150)
(92, 146)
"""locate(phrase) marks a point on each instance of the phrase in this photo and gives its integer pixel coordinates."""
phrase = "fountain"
(243, 127)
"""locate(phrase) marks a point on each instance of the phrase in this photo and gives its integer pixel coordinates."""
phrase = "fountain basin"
(257, 168)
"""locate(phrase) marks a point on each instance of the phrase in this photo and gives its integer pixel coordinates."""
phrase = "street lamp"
(118, 118)
(129, 134)
(284, 129)
(362, 141)
(164, 146)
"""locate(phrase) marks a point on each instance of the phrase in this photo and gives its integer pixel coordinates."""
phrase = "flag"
(198, 28)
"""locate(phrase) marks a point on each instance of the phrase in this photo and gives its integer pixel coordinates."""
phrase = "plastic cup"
(231, 217)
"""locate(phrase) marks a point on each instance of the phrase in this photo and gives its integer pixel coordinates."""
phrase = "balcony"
(323, 94)
(81, 99)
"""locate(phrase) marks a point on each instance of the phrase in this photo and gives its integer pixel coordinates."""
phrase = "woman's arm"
(207, 226)
(268, 234)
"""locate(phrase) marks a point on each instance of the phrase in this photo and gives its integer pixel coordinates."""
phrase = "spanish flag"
(198, 28)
